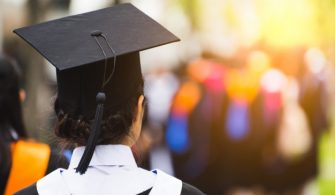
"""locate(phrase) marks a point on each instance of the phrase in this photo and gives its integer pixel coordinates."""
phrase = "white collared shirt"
(112, 170)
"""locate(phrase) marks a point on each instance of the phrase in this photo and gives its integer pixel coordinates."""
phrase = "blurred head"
(10, 101)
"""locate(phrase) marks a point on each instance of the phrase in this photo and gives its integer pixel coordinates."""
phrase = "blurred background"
(244, 104)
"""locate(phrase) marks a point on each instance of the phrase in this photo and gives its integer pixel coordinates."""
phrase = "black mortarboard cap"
(96, 52)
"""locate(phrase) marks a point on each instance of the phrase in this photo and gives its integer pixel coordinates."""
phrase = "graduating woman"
(100, 101)
(11, 123)
(22, 162)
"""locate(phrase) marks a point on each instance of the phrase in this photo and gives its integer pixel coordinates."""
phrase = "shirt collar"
(105, 155)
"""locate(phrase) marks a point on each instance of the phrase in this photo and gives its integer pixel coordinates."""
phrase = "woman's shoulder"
(188, 189)
(50, 182)
(166, 182)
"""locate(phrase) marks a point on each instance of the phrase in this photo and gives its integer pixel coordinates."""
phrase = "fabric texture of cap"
(67, 42)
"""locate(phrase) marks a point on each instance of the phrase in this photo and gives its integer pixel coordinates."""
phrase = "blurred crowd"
(252, 122)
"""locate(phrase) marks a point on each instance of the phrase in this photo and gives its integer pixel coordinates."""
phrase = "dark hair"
(10, 104)
(10, 114)
(74, 130)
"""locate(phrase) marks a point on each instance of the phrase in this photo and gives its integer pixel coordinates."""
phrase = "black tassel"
(95, 131)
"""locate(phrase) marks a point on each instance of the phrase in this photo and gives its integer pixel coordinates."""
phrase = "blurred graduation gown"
(41, 163)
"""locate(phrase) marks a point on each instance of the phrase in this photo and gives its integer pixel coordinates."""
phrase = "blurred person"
(238, 128)
(313, 99)
(313, 93)
(293, 162)
(286, 172)
(303, 120)
(22, 162)
(192, 128)
(161, 86)
(100, 101)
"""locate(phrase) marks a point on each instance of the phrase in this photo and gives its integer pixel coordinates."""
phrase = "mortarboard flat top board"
(67, 42)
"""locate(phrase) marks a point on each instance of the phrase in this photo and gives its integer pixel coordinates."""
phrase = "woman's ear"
(140, 108)
(139, 114)
(22, 95)
(135, 129)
